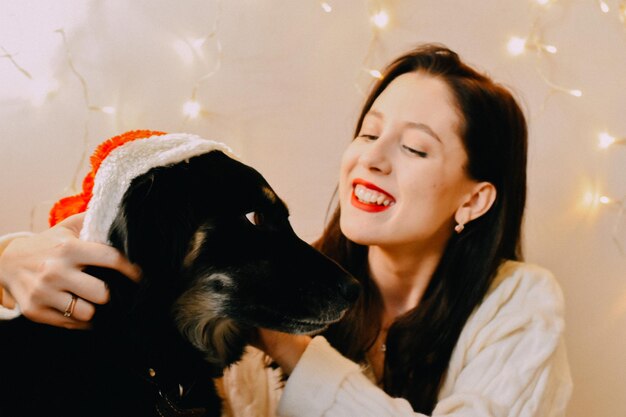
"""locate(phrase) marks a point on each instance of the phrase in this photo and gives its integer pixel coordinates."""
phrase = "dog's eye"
(255, 218)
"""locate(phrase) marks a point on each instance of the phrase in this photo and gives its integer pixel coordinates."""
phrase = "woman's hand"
(44, 271)
(285, 349)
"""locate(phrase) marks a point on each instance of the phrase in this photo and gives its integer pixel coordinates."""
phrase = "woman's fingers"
(84, 253)
(96, 254)
(285, 349)
(62, 271)
(72, 306)
(42, 272)
(56, 318)
(85, 286)
(82, 313)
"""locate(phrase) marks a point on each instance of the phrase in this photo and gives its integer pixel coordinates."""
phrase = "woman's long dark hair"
(420, 343)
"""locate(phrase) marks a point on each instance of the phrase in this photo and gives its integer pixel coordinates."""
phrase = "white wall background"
(285, 96)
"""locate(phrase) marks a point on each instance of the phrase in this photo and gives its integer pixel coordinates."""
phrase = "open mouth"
(368, 197)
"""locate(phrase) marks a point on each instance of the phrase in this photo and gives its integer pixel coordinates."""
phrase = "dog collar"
(169, 396)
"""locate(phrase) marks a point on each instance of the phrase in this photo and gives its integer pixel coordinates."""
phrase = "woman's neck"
(402, 278)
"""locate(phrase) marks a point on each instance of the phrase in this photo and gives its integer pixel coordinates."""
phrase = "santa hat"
(114, 164)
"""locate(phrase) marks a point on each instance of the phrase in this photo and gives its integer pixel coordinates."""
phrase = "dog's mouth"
(260, 316)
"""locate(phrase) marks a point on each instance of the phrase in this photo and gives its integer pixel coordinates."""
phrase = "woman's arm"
(42, 271)
(510, 361)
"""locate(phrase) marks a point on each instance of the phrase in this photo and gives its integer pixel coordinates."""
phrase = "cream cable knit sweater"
(510, 360)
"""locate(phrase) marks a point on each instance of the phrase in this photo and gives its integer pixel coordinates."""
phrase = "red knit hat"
(68, 206)
(115, 163)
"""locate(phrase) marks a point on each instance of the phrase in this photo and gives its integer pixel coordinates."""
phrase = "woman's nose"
(375, 156)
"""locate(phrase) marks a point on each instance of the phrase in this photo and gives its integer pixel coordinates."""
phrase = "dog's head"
(220, 257)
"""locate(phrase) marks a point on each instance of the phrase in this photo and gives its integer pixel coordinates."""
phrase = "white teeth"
(368, 196)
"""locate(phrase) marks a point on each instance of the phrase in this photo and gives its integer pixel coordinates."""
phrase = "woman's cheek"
(348, 161)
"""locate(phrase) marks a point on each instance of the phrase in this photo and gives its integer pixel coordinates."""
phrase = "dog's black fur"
(219, 258)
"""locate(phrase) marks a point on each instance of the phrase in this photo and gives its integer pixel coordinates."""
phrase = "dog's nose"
(349, 289)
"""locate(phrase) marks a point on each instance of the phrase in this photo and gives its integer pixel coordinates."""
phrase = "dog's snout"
(349, 289)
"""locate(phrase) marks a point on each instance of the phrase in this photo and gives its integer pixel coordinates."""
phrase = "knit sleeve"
(324, 383)
(509, 361)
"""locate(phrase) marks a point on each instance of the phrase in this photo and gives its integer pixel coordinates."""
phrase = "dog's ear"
(121, 226)
(154, 222)
(162, 209)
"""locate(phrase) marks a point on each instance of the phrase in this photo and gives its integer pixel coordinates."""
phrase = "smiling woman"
(397, 153)
(431, 199)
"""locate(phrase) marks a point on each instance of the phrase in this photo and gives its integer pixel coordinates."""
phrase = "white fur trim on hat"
(127, 162)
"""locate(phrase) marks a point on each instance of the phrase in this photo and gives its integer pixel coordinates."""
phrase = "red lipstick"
(369, 207)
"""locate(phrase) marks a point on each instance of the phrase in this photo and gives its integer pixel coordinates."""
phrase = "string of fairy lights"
(380, 19)
(89, 107)
(193, 108)
(11, 58)
(534, 42)
(516, 46)
(605, 141)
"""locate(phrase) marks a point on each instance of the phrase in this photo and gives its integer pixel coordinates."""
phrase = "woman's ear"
(477, 203)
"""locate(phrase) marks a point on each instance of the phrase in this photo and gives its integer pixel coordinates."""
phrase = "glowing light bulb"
(549, 48)
(593, 199)
(575, 93)
(604, 7)
(376, 74)
(605, 140)
(327, 7)
(516, 45)
(588, 199)
(184, 50)
(380, 19)
(197, 43)
(191, 109)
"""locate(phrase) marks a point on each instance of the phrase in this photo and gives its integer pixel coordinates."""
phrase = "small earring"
(459, 228)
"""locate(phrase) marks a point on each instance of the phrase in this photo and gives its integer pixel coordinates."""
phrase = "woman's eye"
(254, 217)
(414, 151)
(368, 137)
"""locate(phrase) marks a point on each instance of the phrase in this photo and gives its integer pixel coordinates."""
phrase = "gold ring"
(70, 307)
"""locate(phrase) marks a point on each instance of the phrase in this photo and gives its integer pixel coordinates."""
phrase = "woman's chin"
(357, 233)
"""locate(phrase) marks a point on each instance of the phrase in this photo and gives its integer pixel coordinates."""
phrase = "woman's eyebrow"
(424, 128)
(413, 125)
(375, 113)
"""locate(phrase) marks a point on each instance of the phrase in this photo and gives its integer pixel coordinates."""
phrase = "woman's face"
(403, 177)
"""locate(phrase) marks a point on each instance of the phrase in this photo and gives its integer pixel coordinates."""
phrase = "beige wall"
(285, 98)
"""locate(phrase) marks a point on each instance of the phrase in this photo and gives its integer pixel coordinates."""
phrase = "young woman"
(450, 322)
